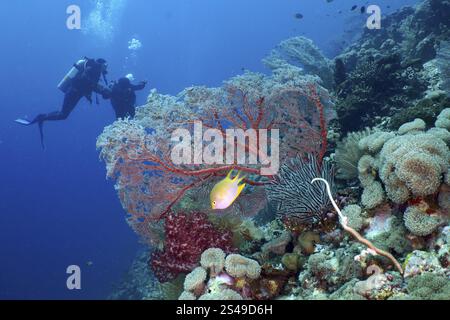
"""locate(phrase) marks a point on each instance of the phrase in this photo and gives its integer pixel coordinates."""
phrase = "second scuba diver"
(81, 81)
(123, 96)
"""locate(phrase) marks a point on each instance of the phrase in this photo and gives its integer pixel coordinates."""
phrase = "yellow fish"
(226, 191)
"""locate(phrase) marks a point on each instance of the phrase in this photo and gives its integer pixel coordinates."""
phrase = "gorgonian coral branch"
(137, 151)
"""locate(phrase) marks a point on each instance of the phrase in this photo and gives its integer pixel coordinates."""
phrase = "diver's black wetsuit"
(123, 97)
(82, 86)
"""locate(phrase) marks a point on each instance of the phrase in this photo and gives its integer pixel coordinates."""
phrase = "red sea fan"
(187, 236)
(138, 152)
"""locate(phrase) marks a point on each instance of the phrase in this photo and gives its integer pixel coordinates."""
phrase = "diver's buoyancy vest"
(122, 95)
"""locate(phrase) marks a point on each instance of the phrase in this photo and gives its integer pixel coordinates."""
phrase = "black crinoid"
(293, 194)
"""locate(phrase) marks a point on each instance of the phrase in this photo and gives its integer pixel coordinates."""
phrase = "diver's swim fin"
(41, 129)
(41, 132)
(23, 122)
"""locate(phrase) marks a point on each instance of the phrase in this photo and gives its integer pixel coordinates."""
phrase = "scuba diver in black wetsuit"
(123, 97)
(81, 81)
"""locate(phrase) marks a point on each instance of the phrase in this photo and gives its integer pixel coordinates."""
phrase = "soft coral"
(187, 236)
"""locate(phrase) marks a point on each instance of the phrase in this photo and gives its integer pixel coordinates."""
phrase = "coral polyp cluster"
(221, 278)
(413, 165)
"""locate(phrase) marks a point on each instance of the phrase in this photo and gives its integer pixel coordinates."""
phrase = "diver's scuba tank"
(78, 67)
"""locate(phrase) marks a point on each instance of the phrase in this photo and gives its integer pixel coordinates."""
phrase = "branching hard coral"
(340, 72)
(426, 109)
(374, 84)
(293, 194)
(344, 223)
(415, 35)
(347, 155)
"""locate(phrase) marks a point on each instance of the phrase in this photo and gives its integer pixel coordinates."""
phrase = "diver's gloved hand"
(143, 83)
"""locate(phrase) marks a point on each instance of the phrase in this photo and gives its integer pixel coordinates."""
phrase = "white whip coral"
(343, 221)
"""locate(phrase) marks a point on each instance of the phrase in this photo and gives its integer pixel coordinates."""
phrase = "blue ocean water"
(56, 208)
